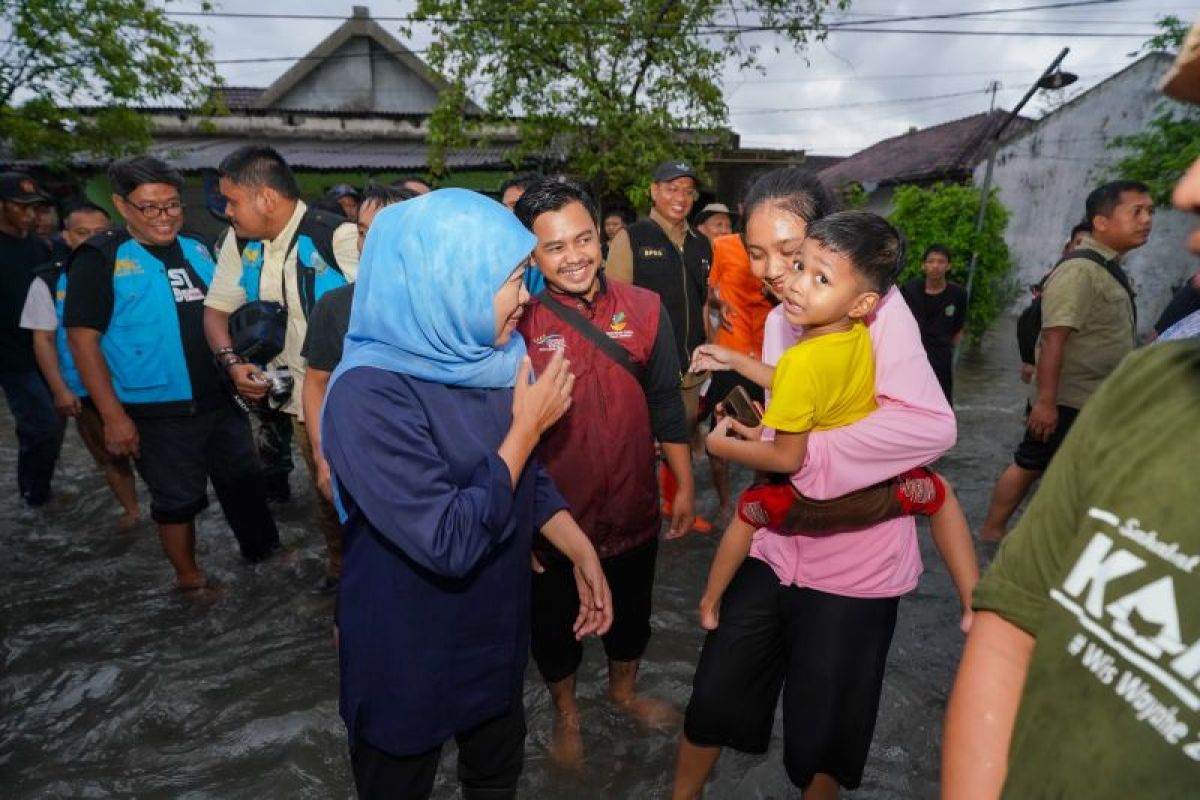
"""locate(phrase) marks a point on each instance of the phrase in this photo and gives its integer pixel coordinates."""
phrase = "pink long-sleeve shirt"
(913, 426)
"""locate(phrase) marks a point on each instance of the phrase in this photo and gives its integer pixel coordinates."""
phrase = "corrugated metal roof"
(376, 155)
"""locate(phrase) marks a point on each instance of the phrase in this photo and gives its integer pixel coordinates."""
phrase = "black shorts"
(179, 455)
(1035, 456)
(555, 603)
(720, 387)
(827, 652)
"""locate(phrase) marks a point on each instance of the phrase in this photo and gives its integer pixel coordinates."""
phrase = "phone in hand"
(739, 406)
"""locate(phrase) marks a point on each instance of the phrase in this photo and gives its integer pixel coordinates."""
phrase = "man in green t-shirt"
(1088, 326)
(1081, 675)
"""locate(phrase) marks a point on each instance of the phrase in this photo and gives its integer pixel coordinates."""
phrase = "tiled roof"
(943, 152)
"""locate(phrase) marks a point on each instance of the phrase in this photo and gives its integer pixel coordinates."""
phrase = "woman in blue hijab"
(428, 427)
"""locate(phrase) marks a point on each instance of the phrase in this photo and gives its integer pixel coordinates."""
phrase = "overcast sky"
(856, 89)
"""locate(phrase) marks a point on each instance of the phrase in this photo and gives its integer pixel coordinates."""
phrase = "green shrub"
(945, 214)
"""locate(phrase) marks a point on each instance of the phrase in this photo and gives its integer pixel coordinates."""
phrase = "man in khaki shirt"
(286, 260)
(663, 254)
(1088, 326)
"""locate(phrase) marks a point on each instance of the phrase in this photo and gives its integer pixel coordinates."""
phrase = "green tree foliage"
(945, 214)
(71, 72)
(605, 83)
(1159, 155)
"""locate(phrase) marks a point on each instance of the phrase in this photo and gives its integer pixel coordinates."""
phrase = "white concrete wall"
(1044, 177)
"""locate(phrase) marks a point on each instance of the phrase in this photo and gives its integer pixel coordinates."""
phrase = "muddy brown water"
(111, 685)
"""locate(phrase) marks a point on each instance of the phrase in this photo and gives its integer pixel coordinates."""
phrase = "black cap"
(670, 170)
(344, 190)
(17, 187)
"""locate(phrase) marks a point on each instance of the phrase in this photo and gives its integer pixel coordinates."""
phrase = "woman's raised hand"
(539, 405)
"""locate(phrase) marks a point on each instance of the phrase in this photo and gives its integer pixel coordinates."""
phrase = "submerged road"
(112, 685)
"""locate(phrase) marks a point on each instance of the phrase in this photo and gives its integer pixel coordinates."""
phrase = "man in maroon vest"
(601, 454)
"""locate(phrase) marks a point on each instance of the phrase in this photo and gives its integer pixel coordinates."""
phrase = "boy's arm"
(714, 357)
(983, 708)
(784, 453)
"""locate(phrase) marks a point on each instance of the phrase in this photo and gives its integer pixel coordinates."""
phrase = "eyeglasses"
(154, 211)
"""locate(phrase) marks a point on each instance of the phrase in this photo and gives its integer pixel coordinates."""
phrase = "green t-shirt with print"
(1104, 571)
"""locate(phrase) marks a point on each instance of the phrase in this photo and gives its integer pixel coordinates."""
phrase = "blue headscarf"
(423, 301)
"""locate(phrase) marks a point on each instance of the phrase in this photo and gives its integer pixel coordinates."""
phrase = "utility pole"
(1051, 78)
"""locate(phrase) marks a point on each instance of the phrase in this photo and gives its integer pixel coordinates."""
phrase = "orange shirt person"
(741, 309)
(744, 306)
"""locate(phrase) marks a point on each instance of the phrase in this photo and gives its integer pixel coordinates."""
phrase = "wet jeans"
(39, 432)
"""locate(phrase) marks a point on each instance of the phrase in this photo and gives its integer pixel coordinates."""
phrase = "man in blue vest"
(42, 316)
(134, 316)
(281, 251)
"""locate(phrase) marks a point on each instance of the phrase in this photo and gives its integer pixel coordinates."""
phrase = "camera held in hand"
(281, 385)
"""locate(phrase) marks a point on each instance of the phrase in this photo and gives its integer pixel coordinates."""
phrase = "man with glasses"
(134, 314)
(663, 254)
(39, 429)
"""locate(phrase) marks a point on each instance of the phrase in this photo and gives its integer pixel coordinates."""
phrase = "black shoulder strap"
(320, 227)
(594, 335)
(1111, 267)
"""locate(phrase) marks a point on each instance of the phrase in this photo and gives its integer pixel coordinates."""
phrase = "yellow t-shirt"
(824, 382)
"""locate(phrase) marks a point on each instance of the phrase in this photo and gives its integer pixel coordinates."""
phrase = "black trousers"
(490, 758)
(39, 432)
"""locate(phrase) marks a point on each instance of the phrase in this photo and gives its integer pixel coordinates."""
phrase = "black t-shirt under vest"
(679, 278)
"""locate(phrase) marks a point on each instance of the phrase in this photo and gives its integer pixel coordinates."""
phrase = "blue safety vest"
(317, 270)
(143, 344)
(54, 275)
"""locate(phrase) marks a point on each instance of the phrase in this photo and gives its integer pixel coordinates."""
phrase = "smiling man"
(601, 453)
(663, 254)
(134, 314)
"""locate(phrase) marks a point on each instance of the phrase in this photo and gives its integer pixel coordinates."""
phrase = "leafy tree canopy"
(945, 214)
(1159, 155)
(606, 83)
(71, 72)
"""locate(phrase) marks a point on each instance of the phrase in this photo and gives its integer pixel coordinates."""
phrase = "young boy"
(827, 380)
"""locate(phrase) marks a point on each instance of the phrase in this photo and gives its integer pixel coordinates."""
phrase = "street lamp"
(1052, 78)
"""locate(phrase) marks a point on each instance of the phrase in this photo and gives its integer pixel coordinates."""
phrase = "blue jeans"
(39, 432)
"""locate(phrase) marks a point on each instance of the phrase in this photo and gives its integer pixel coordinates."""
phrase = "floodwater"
(112, 685)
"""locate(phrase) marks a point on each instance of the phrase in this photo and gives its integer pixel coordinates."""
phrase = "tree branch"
(648, 52)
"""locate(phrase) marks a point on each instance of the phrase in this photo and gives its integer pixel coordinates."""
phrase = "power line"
(863, 104)
(854, 26)
(851, 77)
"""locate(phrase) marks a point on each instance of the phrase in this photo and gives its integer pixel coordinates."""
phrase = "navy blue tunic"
(434, 602)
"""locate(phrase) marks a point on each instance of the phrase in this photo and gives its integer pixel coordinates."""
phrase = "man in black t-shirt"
(941, 311)
(327, 326)
(134, 313)
(39, 428)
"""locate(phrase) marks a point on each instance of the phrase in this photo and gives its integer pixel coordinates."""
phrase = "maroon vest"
(601, 453)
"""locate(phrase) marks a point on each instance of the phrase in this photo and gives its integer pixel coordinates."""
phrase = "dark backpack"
(1029, 323)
